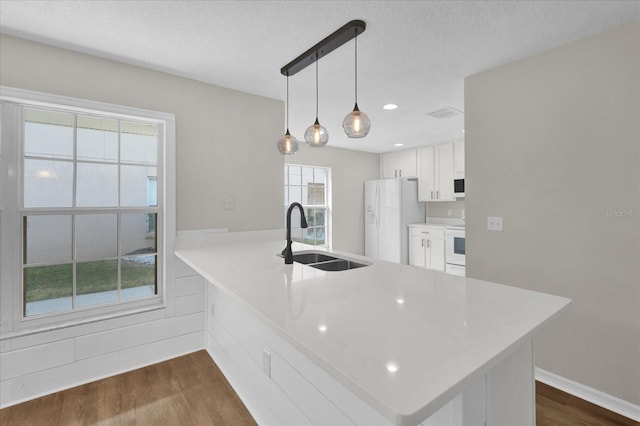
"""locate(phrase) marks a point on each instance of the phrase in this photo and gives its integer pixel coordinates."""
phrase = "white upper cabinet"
(435, 173)
(458, 159)
(401, 164)
(426, 174)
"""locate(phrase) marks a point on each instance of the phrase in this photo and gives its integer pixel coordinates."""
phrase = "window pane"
(316, 217)
(96, 236)
(48, 239)
(48, 183)
(97, 139)
(97, 185)
(139, 276)
(295, 175)
(139, 143)
(96, 282)
(316, 194)
(48, 289)
(319, 176)
(134, 237)
(295, 194)
(307, 175)
(133, 185)
(48, 133)
(152, 191)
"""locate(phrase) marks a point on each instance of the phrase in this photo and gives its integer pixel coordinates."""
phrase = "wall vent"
(445, 112)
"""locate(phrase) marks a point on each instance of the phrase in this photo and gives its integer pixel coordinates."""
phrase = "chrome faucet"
(287, 253)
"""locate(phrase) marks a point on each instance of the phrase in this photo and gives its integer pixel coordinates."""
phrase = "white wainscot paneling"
(37, 358)
(263, 398)
(5, 345)
(183, 270)
(312, 402)
(190, 304)
(72, 331)
(186, 286)
(44, 382)
(136, 335)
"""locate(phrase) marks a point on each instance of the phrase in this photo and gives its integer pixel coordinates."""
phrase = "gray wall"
(349, 171)
(553, 146)
(220, 153)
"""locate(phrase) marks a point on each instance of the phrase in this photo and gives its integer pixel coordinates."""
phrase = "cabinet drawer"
(428, 231)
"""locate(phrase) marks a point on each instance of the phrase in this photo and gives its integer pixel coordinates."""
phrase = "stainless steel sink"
(308, 258)
(337, 265)
(325, 262)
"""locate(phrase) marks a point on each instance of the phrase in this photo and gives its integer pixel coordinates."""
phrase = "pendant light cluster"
(356, 124)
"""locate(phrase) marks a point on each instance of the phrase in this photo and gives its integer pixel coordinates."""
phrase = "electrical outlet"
(494, 223)
(266, 363)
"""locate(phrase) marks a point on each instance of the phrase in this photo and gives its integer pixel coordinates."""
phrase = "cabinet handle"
(400, 172)
(428, 243)
(438, 194)
(422, 241)
(396, 173)
(432, 195)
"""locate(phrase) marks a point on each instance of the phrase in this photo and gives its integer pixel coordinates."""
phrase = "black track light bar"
(324, 47)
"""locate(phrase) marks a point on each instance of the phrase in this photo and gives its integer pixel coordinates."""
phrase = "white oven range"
(454, 246)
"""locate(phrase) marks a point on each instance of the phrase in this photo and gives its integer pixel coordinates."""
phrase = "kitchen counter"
(404, 339)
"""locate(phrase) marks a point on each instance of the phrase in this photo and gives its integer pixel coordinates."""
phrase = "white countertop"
(440, 331)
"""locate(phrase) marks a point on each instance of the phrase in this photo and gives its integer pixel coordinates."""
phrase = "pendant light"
(356, 124)
(287, 144)
(316, 134)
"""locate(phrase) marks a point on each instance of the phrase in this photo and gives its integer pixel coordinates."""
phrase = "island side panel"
(511, 390)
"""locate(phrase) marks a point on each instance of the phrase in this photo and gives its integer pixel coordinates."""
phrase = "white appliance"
(455, 251)
(389, 206)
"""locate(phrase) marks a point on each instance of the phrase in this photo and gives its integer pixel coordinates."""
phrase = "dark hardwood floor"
(191, 390)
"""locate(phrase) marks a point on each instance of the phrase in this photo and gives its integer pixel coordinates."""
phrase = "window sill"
(78, 322)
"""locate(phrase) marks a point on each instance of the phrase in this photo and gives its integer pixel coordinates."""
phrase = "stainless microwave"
(458, 188)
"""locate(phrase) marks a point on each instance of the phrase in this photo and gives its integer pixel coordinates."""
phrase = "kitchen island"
(380, 344)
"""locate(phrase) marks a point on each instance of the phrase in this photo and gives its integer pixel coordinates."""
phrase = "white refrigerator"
(389, 206)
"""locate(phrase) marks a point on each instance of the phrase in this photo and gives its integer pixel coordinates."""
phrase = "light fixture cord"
(316, 85)
(287, 100)
(356, 59)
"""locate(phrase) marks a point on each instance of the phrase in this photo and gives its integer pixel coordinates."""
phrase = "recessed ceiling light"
(392, 367)
(398, 144)
(389, 107)
(462, 130)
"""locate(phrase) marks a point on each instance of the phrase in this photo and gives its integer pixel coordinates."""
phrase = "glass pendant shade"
(287, 144)
(316, 135)
(356, 124)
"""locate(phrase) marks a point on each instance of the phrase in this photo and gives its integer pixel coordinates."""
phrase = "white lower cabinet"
(426, 247)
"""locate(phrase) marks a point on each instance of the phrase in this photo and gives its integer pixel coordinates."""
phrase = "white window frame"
(327, 206)
(12, 321)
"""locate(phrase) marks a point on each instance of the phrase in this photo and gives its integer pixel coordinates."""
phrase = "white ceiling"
(415, 54)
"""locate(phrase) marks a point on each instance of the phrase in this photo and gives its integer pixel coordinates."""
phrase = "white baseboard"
(604, 400)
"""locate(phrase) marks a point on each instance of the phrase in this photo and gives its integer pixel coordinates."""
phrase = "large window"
(309, 186)
(89, 208)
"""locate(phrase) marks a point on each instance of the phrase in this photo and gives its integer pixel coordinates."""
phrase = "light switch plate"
(494, 223)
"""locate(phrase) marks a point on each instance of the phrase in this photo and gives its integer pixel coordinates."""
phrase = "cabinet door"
(389, 165)
(426, 174)
(417, 250)
(407, 163)
(436, 254)
(444, 175)
(458, 159)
